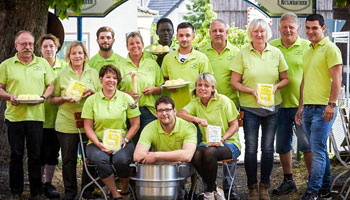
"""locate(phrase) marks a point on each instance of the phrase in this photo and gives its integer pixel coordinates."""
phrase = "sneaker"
(16, 197)
(233, 194)
(253, 192)
(50, 191)
(208, 196)
(324, 195)
(219, 194)
(286, 187)
(310, 196)
(264, 191)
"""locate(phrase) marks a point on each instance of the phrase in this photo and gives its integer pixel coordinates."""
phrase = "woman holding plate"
(107, 111)
(142, 79)
(210, 109)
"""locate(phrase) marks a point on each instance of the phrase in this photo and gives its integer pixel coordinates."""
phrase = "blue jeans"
(251, 124)
(284, 134)
(318, 130)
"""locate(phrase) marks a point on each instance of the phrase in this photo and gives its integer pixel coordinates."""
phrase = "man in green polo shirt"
(320, 88)
(293, 48)
(173, 140)
(185, 63)
(25, 74)
(105, 56)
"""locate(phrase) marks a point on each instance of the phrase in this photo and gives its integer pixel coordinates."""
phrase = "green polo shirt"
(148, 74)
(294, 58)
(220, 111)
(51, 110)
(97, 61)
(317, 79)
(154, 135)
(259, 68)
(25, 79)
(109, 113)
(172, 68)
(65, 121)
(221, 64)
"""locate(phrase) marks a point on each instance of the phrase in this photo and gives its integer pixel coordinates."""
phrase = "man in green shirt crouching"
(173, 140)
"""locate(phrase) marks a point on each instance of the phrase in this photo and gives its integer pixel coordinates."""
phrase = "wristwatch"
(126, 140)
(332, 104)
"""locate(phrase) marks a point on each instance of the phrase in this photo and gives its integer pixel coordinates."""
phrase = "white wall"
(144, 26)
(122, 19)
(176, 16)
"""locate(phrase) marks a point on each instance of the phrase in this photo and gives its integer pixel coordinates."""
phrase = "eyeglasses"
(132, 33)
(23, 44)
(166, 110)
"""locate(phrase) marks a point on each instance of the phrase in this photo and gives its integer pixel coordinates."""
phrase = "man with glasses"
(105, 56)
(172, 139)
(25, 73)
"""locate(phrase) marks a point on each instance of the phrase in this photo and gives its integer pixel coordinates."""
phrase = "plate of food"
(176, 83)
(159, 49)
(29, 98)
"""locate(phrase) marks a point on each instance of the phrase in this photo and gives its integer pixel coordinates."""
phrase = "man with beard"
(221, 54)
(173, 140)
(25, 74)
(105, 56)
(185, 63)
(165, 31)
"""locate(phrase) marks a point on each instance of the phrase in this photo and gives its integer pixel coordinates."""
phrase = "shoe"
(264, 191)
(50, 191)
(16, 197)
(233, 194)
(218, 195)
(38, 197)
(286, 187)
(208, 196)
(324, 195)
(253, 192)
(310, 196)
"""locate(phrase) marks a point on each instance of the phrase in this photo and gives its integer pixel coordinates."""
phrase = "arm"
(90, 133)
(134, 95)
(283, 81)
(140, 153)
(134, 127)
(152, 90)
(49, 90)
(182, 155)
(336, 74)
(57, 101)
(298, 119)
(236, 80)
(6, 96)
(231, 130)
(184, 115)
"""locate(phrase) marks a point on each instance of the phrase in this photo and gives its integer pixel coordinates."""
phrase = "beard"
(109, 47)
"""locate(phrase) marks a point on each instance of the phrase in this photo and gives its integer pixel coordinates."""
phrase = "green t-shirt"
(25, 79)
(317, 79)
(109, 113)
(172, 68)
(221, 64)
(259, 68)
(148, 74)
(65, 122)
(154, 135)
(97, 62)
(294, 58)
(51, 110)
(220, 111)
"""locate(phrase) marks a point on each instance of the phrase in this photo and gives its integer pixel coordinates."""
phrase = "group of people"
(169, 126)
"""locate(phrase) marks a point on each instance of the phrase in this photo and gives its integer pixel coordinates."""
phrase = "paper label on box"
(214, 134)
(265, 95)
(112, 139)
(75, 90)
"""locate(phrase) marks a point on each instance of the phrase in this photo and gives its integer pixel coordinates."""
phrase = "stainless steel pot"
(159, 182)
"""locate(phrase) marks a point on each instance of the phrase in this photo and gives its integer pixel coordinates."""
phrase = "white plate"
(30, 101)
(176, 86)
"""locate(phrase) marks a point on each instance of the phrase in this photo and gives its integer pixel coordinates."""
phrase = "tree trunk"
(16, 15)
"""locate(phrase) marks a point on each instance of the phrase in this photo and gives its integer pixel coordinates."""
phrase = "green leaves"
(341, 3)
(62, 6)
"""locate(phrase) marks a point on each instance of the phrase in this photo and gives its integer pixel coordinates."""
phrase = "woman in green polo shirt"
(68, 108)
(142, 79)
(108, 110)
(259, 62)
(50, 145)
(210, 108)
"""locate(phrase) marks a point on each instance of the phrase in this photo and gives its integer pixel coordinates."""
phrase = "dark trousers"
(23, 133)
(50, 147)
(69, 151)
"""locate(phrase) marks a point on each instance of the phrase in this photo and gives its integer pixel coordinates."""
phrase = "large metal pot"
(159, 182)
